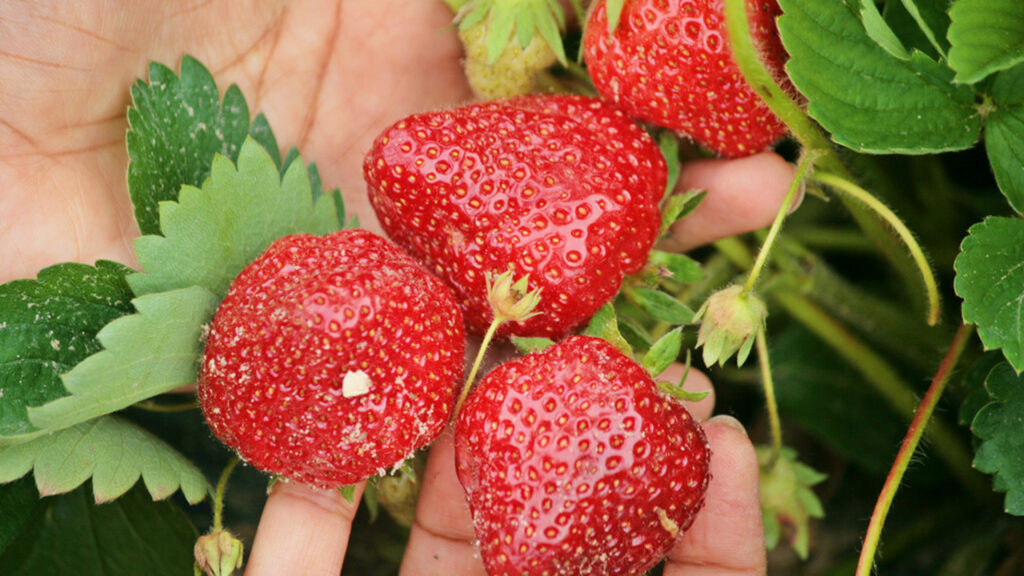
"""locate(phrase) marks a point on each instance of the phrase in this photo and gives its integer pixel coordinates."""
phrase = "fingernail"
(729, 421)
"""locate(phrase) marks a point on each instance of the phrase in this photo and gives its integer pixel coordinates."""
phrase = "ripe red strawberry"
(669, 63)
(574, 463)
(332, 358)
(564, 189)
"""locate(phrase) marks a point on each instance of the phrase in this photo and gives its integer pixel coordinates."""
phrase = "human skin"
(329, 75)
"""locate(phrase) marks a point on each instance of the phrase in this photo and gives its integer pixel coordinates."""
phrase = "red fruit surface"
(307, 314)
(574, 464)
(669, 63)
(563, 188)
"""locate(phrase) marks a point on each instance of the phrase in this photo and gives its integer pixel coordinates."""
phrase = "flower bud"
(729, 321)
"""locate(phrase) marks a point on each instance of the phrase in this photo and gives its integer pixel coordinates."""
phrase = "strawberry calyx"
(525, 18)
(730, 320)
(218, 553)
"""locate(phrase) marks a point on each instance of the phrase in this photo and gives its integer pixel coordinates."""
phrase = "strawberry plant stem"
(484, 343)
(769, 395)
(886, 381)
(909, 446)
(806, 161)
(218, 499)
(857, 193)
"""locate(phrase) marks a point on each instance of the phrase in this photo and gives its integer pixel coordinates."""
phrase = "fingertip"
(744, 194)
(727, 535)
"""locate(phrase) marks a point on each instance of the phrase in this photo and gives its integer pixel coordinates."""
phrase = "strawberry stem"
(806, 161)
(218, 499)
(907, 449)
(768, 383)
(857, 193)
(488, 336)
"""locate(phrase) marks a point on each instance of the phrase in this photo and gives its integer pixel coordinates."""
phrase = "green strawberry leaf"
(1004, 135)
(47, 326)
(997, 425)
(211, 234)
(604, 324)
(929, 19)
(18, 500)
(70, 535)
(879, 31)
(867, 99)
(114, 452)
(531, 345)
(147, 353)
(176, 125)
(974, 393)
(678, 267)
(985, 36)
(990, 280)
(663, 353)
(659, 305)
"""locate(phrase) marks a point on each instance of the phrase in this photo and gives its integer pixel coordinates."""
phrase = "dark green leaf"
(634, 334)
(176, 127)
(18, 500)
(998, 425)
(879, 31)
(924, 21)
(973, 384)
(114, 452)
(211, 234)
(47, 326)
(72, 536)
(663, 353)
(261, 132)
(867, 99)
(1004, 135)
(147, 353)
(990, 280)
(986, 36)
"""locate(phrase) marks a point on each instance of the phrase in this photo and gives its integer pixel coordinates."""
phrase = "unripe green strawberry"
(512, 74)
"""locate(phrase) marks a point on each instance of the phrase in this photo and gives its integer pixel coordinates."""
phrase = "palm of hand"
(328, 74)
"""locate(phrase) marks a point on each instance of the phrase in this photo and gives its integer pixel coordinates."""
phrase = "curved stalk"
(861, 195)
(218, 499)
(906, 452)
(488, 336)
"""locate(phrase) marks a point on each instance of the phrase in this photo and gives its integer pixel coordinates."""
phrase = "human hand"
(329, 76)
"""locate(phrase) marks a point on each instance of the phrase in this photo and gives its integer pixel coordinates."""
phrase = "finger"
(743, 195)
(696, 382)
(303, 531)
(727, 538)
(442, 538)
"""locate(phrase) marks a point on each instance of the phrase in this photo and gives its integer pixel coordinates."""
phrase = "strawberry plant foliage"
(49, 325)
(1004, 135)
(867, 98)
(986, 36)
(997, 425)
(990, 280)
(113, 452)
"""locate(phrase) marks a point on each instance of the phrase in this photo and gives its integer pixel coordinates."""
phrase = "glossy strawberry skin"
(562, 188)
(574, 464)
(309, 311)
(669, 63)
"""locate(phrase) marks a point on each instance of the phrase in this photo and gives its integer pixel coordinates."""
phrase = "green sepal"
(678, 206)
(613, 9)
(348, 493)
(531, 345)
(522, 19)
(677, 267)
(658, 304)
(604, 324)
(787, 498)
(370, 498)
(678, 391)
(663, 353)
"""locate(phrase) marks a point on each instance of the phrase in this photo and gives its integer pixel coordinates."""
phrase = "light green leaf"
(867, 99)
(176, 125)
(211, 234)
(879, 31)
(114, 452)
(997, 425)
(663, 353)
(604, 324)
(990, 280)
(985, 36)
(148, 353)
(72, 536)
(47, 326)
(614, 12)
(659, 305)
(1004, 135)
(531, 345)
(680, 267)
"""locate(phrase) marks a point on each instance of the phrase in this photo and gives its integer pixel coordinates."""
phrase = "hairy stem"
(906, 452)
(861, 195)
(218, 499)
(806, 161)
(768, 383)
(884, 378)
(488, 336)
